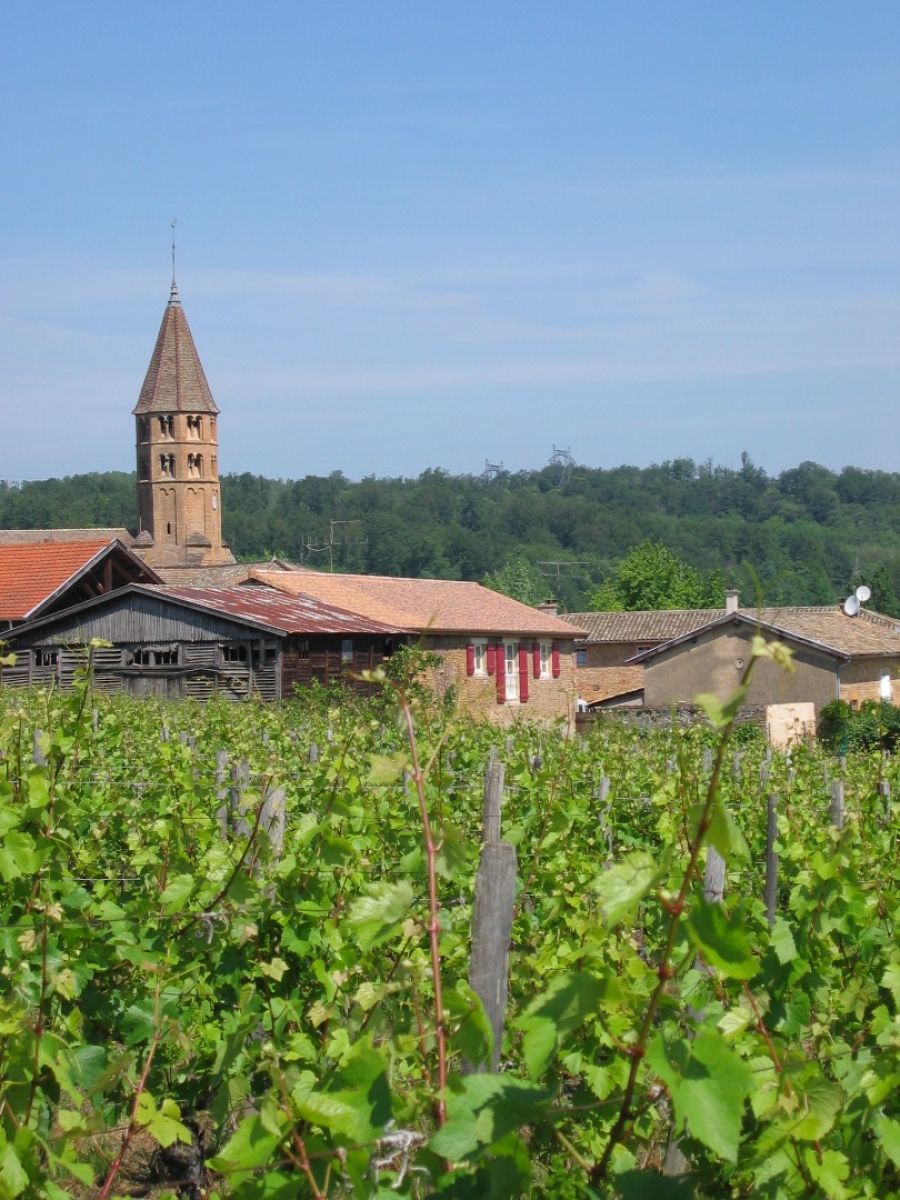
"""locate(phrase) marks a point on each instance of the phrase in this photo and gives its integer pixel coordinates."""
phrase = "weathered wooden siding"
(137, 620)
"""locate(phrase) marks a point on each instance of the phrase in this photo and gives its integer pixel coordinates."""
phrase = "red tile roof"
(423, 605)
(286, 614)
(31, 574)
(643, 625)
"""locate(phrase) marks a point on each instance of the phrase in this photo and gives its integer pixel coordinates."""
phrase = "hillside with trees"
(806, 535)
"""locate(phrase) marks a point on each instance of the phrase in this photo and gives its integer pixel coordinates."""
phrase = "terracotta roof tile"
(30, 574)
(17, 537)
(423, 605)
(226, 576)
(653, 625)
(827, 626)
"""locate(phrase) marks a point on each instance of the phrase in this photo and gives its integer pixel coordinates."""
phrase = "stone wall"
(861, 679)
(548, 699)
(665, 716)
(606, 673)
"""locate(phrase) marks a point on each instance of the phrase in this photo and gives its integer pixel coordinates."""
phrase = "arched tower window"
(167, 427)
(143, 429)
(195, 427)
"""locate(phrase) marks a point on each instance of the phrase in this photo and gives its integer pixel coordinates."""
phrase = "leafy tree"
(520, 580)
(651, 576)
(878, 579)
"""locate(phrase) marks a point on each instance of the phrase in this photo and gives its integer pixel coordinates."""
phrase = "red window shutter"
(501, 675)
(536, 659)
(470, 659)
(523, 675)
(491, 656)
(554, 659)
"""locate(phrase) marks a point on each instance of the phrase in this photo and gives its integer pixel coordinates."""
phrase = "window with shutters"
(480, 662)
(581, 656)
(546, 660)
(511, 662)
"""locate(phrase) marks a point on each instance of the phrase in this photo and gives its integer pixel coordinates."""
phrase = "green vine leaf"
(721, 939)
(624, 885)
(376, 916)
(708, 1083)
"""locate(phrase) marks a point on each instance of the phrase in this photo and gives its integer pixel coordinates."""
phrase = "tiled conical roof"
(175, 381)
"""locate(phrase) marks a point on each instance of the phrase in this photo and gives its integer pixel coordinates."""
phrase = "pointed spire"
(175, 380)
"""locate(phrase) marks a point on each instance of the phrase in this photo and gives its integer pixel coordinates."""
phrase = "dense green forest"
(803, 536)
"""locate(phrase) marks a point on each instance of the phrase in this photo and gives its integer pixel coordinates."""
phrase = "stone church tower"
(179, 503)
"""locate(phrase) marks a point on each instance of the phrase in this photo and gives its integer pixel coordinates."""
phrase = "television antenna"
(560, 564)
(312, 546)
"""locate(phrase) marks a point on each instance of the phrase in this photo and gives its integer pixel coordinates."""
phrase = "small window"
(480, 657)
(581, 657)
(195, 427)
(303, 648)
(346, 650)
(167, 427)
(46, 658)
(235, 654)
(153, 656)
(546, 660)
(884, 686)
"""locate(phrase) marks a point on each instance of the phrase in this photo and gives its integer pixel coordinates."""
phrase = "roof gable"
(33, 575)
(824, 628)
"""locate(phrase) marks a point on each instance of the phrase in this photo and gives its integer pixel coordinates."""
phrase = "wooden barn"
(198, 642)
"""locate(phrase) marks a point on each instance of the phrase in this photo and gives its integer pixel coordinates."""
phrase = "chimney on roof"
(550, 607)
(732, 600)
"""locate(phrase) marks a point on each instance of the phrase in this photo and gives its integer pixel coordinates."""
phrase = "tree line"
(804, 536)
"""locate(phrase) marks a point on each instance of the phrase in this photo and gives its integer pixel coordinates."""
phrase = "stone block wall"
(548, 699)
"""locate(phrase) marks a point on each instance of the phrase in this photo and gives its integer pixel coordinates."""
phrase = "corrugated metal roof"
(275, 610)
(424, 605)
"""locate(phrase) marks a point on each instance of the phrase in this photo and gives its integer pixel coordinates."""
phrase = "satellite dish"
(863, 593)
(851, 606)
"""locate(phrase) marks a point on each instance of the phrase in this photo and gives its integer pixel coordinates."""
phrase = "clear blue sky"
(422, 234)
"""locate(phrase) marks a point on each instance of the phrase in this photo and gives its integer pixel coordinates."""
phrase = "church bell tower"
(179, 501)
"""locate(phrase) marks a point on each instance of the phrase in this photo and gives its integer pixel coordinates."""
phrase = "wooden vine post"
(771, 893)
(495, 889)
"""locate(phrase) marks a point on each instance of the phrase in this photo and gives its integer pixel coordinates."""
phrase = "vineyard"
(236, 951)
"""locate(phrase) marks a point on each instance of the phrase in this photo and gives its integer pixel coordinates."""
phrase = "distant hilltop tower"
(179, 503)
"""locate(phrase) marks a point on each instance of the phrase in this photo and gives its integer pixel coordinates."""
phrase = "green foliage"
(167, 979)
(794, 538)
(651, 576)
(520, 579)
(874, 725)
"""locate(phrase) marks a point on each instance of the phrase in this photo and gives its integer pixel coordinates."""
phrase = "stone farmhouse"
(657, 659)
